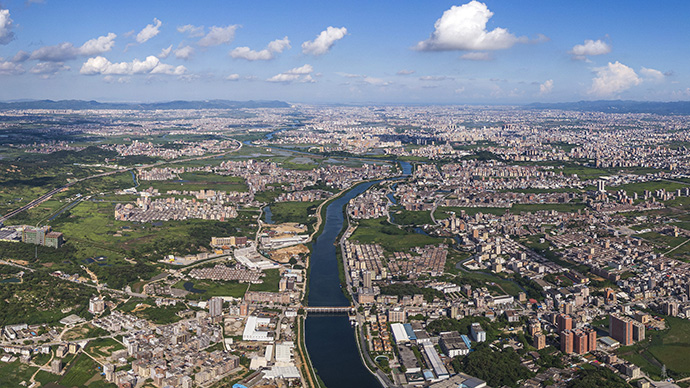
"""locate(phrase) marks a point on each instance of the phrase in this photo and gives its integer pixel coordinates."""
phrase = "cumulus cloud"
(405, 72)
(66, 50)
(476, 56)
(613, 79)
(165, 52)
(149, 31)
(218, 35)
(302, 73)
(48, 69)
(151, 65)
(324, 41)
(652, 74)
(464, 28)
(233, 77)
(590, 48)
(191, 30)
(98, 45)
(6, 34)
(546, 87)
(184, 52)
(21, 56)
(10, 68)
(276, 46)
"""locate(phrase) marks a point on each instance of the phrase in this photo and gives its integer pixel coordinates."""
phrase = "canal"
(330, 339)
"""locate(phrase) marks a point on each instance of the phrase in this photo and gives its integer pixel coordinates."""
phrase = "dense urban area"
(493, 246)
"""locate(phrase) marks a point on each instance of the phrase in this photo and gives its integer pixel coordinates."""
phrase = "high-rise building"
(215, 306)
(621, 329)
(539, 341)
(671, 308)
(56, 367)
(96, 305)
(601, 186)
(581, 342)
(366, 279)
(564, 322)
(638, 331)
(591, 339)
(567, 341)
(478, 334)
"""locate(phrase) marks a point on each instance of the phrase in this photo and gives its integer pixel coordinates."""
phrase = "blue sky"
(429, 51)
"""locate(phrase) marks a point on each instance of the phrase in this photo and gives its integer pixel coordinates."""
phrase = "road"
(52, 192)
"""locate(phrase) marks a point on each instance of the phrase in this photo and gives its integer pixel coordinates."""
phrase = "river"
(330, 339)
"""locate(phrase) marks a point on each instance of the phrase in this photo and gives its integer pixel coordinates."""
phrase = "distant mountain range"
(81, 105)
(619, 106)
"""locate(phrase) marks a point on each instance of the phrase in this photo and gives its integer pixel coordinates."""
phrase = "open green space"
(640, 187)
(300, 212)
(13, 374)
(270, 283)
(103, 347)
(42, 298)
(667, 347)
(146, 309)
(406, 217)
(390, 237)
(559, 207)
(82, 370)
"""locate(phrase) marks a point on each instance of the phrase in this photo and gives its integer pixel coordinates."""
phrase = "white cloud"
(464, 28)
(580, 52)
(434, 78)
(376, 81)
(6, 34)
(405, 72)
(98, 45)
(149, 31)
(165, 52)
(21, 56)
(276, 46)
(652, 74)
(612, 79)
(546, 87)
(302, 73)
(151, 65)
(58, 53)
(218, 35)
(191, 30)
(476, 56)
(324, 41)
(66, 51)
(184, 52)
(233, 77)
(48, 69)
(11, 68)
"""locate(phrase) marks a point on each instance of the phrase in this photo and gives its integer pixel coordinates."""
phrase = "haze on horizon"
(498, 52)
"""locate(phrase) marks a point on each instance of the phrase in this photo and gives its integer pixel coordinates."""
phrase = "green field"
(81, 371)
(270, 283)
(668, 347)
(559, 207)
(639, 188)
(300, 212)
(391, 238)
(414, 218)
(11, 375)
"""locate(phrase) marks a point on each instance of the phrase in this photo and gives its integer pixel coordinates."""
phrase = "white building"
(256, 329)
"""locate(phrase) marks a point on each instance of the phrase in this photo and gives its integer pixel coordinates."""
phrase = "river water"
(330, 339)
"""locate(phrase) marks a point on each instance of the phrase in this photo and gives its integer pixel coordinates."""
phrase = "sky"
(351, 52)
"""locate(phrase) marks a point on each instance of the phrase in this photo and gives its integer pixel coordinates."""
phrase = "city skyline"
(437, 52)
